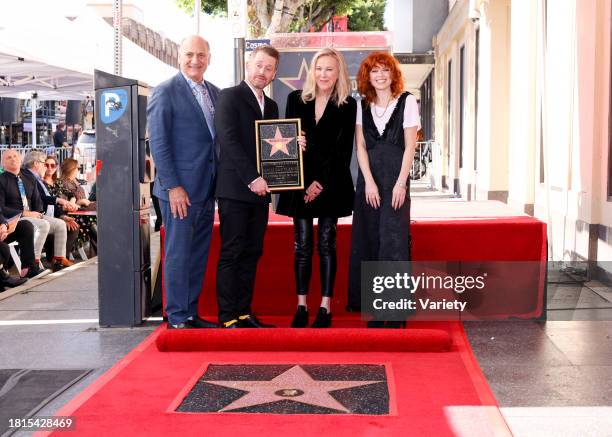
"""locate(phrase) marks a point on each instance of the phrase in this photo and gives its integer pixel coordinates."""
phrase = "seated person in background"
(67, 187)
(23, 234)
(5, 255)
(35, 163)
(18, 194)
(50, 177)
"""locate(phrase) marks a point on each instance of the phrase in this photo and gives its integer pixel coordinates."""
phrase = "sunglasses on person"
(50, 165)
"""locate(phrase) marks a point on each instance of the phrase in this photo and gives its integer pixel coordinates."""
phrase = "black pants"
(326, 246)
(24, 235)
(242, 227)
(5, 255)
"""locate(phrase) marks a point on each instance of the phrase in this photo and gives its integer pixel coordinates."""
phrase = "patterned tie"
(22, 193)
(203, 98)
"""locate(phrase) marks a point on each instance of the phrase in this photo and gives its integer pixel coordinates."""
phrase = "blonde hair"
(342, 87)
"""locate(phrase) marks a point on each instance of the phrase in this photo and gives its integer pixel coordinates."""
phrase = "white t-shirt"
(411, 114)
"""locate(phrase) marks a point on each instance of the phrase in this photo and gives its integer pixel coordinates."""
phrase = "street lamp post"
(237, 19)
(117, 20)
(33, 105)
(196, 13)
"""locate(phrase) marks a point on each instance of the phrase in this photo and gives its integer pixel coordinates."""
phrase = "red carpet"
(437, 389)
(436, 393)
(312, 340)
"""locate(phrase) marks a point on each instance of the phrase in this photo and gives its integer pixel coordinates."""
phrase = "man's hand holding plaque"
(259, 187)
(279, 155)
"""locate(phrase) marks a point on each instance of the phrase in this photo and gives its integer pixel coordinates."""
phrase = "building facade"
(522, 104)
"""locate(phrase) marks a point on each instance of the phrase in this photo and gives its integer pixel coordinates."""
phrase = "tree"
(267, 17)
(367, 15)
(211, 7)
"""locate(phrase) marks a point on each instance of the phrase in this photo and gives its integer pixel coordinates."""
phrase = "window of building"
(542, 85)
(476, 73)
(449, 112)
(461, 102)
(610, 124)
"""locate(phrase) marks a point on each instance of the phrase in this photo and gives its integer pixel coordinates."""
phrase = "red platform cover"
(500, 241)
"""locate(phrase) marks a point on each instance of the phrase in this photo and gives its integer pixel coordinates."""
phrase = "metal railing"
(86, 156)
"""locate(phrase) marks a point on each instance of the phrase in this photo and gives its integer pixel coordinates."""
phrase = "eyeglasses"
(42, 162)
(50, 165)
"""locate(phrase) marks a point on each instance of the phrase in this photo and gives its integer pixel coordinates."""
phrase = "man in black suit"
(243, 196)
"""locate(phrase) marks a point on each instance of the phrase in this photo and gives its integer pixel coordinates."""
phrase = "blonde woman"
(327, 114)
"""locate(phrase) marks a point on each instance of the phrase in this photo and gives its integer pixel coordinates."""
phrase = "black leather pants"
(326, 246)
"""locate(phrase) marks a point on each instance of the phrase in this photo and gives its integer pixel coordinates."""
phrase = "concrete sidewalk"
(551, 379)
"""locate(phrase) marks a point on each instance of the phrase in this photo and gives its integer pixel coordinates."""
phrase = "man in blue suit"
(182, 136)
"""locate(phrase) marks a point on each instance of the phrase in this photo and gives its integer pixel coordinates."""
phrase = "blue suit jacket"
(182, 146)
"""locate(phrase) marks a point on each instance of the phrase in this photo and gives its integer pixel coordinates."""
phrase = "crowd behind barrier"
(85, 155)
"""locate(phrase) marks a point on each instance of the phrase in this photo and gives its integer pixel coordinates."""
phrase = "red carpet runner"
(431, 380)
(305, 340)
(429, 393)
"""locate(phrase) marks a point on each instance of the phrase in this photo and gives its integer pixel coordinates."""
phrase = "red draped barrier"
(493, 240)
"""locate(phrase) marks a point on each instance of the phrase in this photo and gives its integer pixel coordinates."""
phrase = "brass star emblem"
(278, 143)
(295, 385)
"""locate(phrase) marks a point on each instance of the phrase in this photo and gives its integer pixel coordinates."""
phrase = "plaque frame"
(296, 128)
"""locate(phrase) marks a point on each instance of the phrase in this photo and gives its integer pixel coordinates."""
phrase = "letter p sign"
(112, 105)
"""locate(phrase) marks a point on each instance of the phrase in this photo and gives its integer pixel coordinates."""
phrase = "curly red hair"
(383, 59)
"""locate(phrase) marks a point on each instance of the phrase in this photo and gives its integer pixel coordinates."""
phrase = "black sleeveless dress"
(381, 234)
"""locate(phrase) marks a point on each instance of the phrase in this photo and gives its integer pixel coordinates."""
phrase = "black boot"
(395, 324)
(323, 319)
(376, 324)
(300, 320)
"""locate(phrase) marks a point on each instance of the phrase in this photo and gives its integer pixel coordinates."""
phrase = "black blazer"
(10, 199)
(235, 115)
(46, 200)
(327, 159)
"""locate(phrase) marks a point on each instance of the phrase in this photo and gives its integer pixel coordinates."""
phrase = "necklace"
(386, 107)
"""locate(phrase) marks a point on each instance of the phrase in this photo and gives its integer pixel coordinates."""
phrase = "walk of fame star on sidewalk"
(278, 143)
(294, 384)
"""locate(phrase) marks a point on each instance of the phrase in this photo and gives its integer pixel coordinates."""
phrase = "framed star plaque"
(279, 157)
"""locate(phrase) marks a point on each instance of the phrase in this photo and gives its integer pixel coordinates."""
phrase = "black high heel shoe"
(323, 319)
(300, 320)
(395, 324)
(376, 324)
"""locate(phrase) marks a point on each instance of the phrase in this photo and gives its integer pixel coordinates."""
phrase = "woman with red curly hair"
(387, 123)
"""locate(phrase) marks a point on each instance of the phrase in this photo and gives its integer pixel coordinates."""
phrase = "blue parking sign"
(112, 105)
